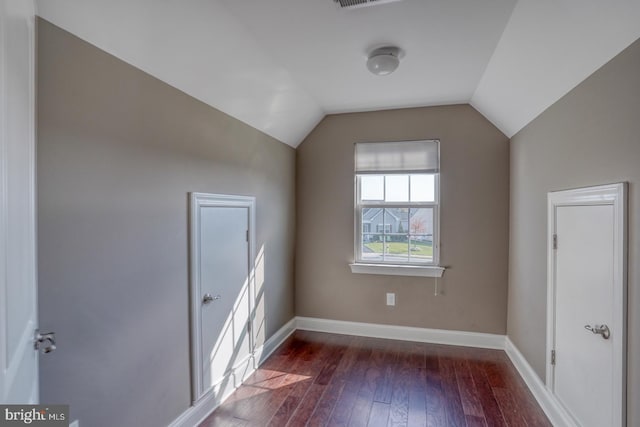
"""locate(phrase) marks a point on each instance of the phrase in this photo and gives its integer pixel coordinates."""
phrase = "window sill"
(398, 270)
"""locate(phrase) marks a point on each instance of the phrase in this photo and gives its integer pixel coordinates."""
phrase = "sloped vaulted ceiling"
(281, 65)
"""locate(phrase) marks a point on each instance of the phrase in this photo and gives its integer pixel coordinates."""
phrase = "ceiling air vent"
(353, 4)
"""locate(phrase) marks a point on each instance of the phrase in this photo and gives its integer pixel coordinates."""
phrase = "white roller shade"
(401, 156)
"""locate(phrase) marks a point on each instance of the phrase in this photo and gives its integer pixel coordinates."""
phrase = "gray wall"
(590, 137)
(474, 225)
(118, 151)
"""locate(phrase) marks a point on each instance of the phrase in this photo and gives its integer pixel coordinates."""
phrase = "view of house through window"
(397, 213)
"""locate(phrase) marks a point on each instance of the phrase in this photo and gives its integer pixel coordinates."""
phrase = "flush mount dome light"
(384, 60)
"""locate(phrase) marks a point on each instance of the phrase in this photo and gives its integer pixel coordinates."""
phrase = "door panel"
(224, 275)
(583, 375)
(18, 360)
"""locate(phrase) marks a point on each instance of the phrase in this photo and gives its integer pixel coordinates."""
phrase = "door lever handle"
(48, 340)
(599, 330)
(207, 298)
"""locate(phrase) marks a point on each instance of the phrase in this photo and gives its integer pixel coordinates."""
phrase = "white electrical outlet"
(391, 299)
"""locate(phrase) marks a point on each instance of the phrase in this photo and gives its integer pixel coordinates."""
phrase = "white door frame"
(615, 195)
(197, 201)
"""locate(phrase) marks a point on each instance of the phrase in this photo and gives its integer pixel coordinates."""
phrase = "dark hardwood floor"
(317, 379)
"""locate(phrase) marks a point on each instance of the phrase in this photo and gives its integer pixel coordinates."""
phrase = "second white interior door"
(584, 370)
(224, 292)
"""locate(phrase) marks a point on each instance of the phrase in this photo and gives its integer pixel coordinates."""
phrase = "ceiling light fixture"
(384, 60)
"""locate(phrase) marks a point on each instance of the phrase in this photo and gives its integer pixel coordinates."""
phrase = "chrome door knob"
(599, 330)
(45, 342)
(207, 298)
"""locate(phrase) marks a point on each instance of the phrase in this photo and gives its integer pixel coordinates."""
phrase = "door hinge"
(553, 357)
(249, 327)
(247, 235)
(555, 241)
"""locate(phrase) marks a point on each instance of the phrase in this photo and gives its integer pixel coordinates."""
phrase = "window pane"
(396, 243)
(371, 187)
(371, 218)
(396, 220)
(372, 247)
(421, 221)
(397, 249)
(423, 188)
(390, 248)
(397, 188)
(421, 248)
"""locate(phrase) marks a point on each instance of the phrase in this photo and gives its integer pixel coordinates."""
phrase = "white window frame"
(431, 269)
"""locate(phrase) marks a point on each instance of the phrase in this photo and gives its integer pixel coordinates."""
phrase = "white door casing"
(587, 287)
(222, 293)
(18, 307)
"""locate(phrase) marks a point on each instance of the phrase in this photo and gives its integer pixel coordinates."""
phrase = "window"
(397, 195)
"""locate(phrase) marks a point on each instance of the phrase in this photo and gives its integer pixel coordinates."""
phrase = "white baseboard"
(265, 350)
(405, 333)
(243, 370)
(549, 404)
(200, 410)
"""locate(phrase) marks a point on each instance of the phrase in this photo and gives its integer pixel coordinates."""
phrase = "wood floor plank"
(467, 389)
(399, 411)
(384, 387)
(473, 421)
(332, 361)
(373, 373)
(224, 421)
(282, 386)
(492, 413)
(306, 407)
(309, 370)
(320, 380)
(324, 408)
(509, 408)
(524, 398)
(450, 388)
(333, 390)
(436, 415)
(245, 402)
(349, 395)
(417, 416)
(379, 415)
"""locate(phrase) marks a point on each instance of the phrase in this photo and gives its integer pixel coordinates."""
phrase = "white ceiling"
(448, 44)
(547, 49)
(281, 65)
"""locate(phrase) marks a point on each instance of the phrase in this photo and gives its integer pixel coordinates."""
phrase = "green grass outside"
(400, 248)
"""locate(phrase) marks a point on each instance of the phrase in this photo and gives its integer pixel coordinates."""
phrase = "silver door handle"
(207, 298)
(599, 330)
(40, 339)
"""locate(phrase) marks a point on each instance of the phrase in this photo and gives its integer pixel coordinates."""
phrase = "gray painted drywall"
(118, 152)
(474, 224)
(589, 137)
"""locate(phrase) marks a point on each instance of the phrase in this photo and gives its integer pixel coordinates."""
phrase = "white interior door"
(588, 333)
(221, 290)
(18, 320)
(224, 291)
